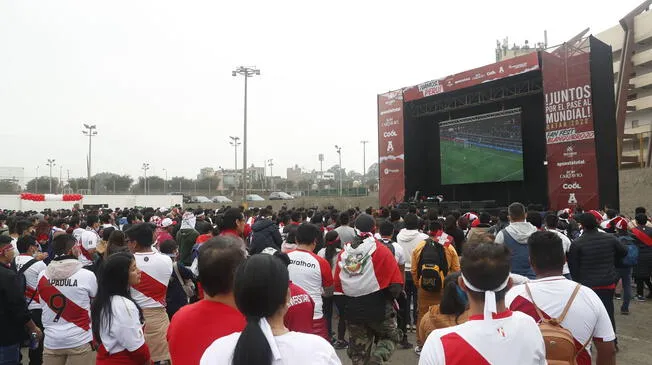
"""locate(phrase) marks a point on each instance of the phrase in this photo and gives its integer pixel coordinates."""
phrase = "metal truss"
(483, 96)
(475, 118)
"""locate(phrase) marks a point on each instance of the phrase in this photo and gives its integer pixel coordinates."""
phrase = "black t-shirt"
(458, 236)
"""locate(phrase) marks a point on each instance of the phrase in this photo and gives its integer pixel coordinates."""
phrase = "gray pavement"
(634, 338)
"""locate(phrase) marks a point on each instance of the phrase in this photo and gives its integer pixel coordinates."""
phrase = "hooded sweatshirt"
(515, 236)
(265, 234)
(409, 239)
(186, 238)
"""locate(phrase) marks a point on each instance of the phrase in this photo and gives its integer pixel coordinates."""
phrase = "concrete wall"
(635, 190)
(13, 202)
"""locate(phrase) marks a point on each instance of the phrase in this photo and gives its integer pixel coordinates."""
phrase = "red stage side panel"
(391, 151)
(495, 71)
(570, 143)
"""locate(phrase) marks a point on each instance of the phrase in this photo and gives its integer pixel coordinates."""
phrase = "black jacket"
(592, 258)
(13, 309)
(643, 268)
(265, 233)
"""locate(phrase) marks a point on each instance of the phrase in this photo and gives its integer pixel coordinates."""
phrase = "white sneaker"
(417, 350)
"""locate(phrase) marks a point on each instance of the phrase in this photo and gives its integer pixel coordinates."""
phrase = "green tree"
(108, 181)
(43, 184)
(180, 184)
(154, 185)
(9, 186)
(208, 185)
(81, 183)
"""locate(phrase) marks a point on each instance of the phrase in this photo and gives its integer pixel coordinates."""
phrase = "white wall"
(13, 202)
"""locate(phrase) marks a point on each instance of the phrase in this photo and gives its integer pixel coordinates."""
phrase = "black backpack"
(22, 280)
(432, 267)
(389, 245)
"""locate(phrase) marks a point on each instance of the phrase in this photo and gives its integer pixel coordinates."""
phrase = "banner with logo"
(570, 143)
(495, 71)
(391, 151)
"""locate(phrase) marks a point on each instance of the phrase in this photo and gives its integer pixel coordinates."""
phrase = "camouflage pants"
(384, 334)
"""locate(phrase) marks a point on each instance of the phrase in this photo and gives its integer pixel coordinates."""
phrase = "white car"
(254, 198)
(279, 195)
(200, 199)
(221, 199)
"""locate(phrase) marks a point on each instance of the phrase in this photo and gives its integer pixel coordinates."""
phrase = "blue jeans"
(411, 293)
(625, 273)
(9, 355)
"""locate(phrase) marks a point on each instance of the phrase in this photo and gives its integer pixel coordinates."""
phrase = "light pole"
(50, 164)
(247, 72)
(165, 183)
(364, 162)
(271, 172)
(145, 168)
(339, 153)
(321, 165)
(37, 179)
(91, 131)
(235, 142)
(61, 178)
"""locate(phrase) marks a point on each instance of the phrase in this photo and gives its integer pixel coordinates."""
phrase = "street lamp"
(61, 178)
(91, 131)
(247, 72)
(50, 164)
(235, 142)
(364, 163)
(37, 179)
(339, 153)
(145, 168)
(271, 171)
(165, 183)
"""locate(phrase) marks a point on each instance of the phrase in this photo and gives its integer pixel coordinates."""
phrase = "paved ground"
(634, 338)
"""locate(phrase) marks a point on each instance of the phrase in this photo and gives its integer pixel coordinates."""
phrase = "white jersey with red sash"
(366, 269)
(587, 317)
(88, 241)
(642, 235)
(509, 338)
(31, 279)
(155, 271)
(65, 290)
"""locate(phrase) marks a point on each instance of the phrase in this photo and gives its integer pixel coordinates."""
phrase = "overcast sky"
(155, 76)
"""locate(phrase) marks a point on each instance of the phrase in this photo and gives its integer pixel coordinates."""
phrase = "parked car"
(221, 199)
(254, 198)
(279, 195)
(200, 199)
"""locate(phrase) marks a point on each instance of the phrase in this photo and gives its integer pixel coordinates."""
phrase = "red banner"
(570, 143)
(391, 151)
(495, 71)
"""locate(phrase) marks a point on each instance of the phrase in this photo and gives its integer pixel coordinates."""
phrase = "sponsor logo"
(570, 152)
(389, 123)
(572, 199)
(393, 95)
(392, 133)
(491, 73)
(393, 110)
(390, 146)
(571, 163)
(309, 265)
(517, 66)
(501, 70)
(388, 171)
(567, 135)
(477, 76)
(573, 186)
(571, 174)
(430, 88)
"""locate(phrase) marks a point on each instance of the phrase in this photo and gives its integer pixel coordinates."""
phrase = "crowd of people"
(258, 286)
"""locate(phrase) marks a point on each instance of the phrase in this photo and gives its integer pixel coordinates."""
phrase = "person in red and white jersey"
(611, 221)
(368, 281)
(117, 320)
(587, 319)
(88, 240)
(65, 291)
(312, 273)
(150, 292)
(28, 265)
(551, 226)
(494, 334)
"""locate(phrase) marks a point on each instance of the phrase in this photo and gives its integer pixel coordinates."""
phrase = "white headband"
(489, 297)
(267, 331)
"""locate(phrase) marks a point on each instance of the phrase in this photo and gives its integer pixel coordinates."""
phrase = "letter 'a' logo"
(390, 146)
(572, 199)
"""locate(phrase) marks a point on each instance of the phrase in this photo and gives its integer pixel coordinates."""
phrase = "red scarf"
(642, 236)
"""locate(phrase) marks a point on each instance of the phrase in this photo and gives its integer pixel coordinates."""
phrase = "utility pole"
(60, 178)
(271, 171)
(50, 164)
(145, 168)
(37, 180)
(165, 183)
(321, 165)
(91, 131)
(247, 72)
(364, 162)
(339, 153)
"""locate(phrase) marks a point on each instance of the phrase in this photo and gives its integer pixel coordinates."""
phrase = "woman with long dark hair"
(453, 309)
(330, 253)
(117, 321)
(262, 295)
